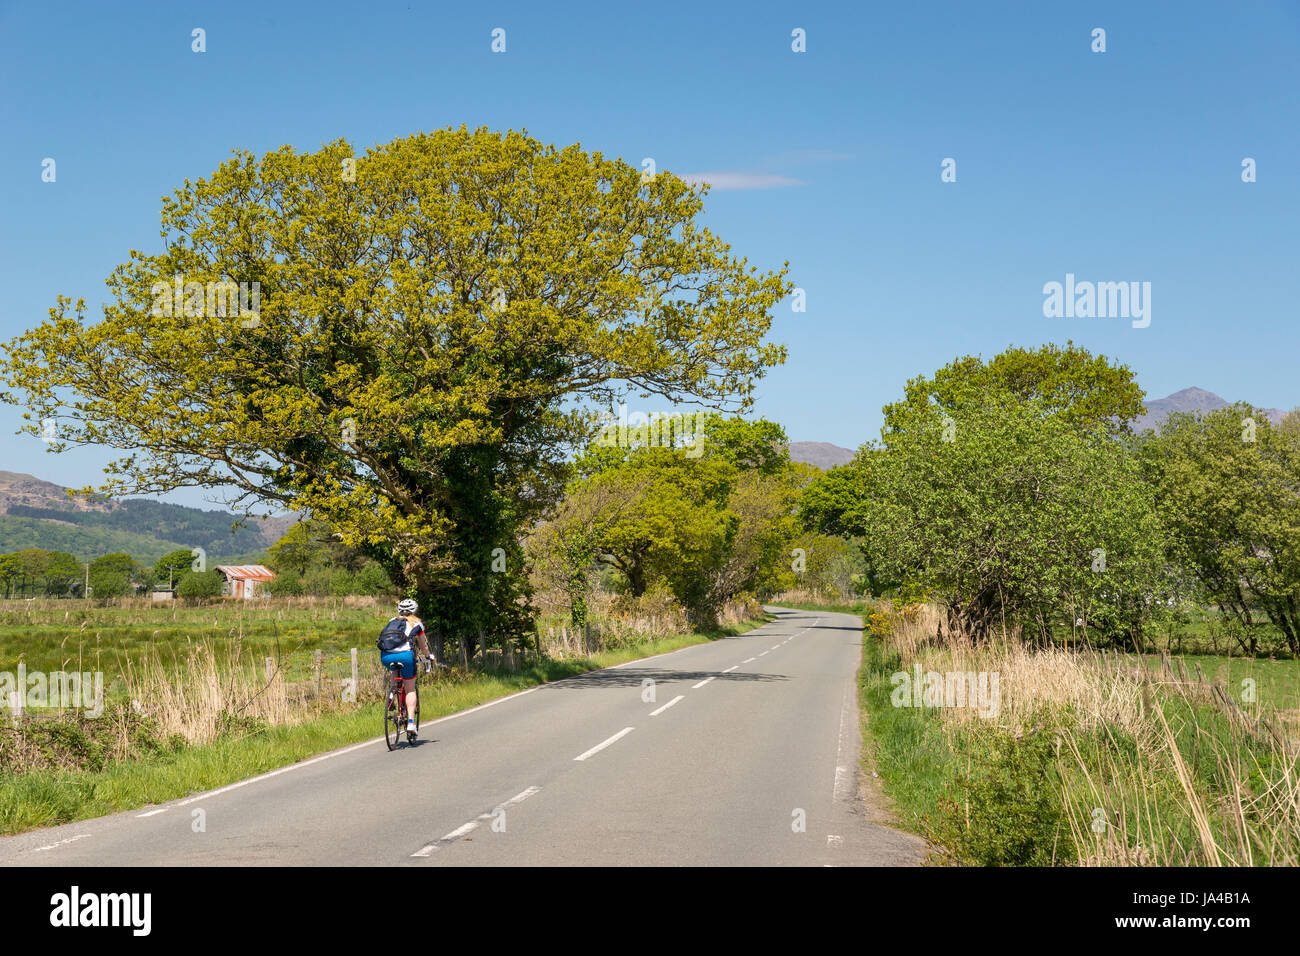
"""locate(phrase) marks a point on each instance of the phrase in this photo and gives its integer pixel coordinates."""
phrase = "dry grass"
(1153, 772)
(212, 688)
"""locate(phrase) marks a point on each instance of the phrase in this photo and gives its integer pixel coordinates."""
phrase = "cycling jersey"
(413, 630)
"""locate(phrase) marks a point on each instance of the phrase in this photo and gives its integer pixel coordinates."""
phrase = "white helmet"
(407, 606)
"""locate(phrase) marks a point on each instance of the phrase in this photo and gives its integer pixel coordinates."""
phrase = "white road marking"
(775, 646)
(764, 654)
(701, 683)
(473, 825)
(842, 787)
(731, 668)
(833, 840)
(154, 812)
(71, 839)
(748, 659)
(656, 713)
(605, 743)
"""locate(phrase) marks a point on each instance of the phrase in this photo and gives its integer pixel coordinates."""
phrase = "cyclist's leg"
(408, 672)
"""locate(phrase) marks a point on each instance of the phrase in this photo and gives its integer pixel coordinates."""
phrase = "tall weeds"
(1145, 772)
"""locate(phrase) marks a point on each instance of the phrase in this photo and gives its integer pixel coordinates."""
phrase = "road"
(747, 755)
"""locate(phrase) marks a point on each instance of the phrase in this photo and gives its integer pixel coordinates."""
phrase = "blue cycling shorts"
(405, 658)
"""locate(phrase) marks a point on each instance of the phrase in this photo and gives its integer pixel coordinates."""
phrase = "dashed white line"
(731, 668)
(702, 683)
(656, 713)
(470, 827)
(764, 654)
(775, 646)
(71, 839)
(605, 743)
(748, 659)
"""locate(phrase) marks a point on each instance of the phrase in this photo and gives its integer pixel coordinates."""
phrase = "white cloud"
(733, 180)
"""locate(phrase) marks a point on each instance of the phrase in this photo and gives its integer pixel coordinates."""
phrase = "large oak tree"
(433, 318)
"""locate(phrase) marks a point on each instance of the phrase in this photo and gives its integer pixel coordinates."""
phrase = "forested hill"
(36, 513)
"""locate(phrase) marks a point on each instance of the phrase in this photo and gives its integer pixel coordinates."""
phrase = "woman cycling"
(395, 648)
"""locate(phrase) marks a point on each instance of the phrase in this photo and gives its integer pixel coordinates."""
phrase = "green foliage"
(422, 337)
(1005, 511)
(299, 549)
(711, 526)
(1085, 391)
(1006, 809)
(1230, 494)
(171, 566)
(198, 585)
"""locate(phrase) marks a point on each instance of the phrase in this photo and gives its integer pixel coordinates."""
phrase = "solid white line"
(701, 683)
(153, 812)
(731, 668)
(345, 750)
(656, 713)
(605, 743)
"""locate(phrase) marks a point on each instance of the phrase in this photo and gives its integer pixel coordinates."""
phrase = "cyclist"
(404, 654)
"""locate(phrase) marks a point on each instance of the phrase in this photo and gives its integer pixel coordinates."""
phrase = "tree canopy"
(411, 362)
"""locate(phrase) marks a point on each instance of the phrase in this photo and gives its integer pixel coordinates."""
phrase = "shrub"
(198, 585)
(1009, 812)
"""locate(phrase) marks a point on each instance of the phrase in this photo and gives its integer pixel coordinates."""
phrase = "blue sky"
(1115, 166)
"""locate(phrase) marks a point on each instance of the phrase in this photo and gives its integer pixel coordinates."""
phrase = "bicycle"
(395, 710)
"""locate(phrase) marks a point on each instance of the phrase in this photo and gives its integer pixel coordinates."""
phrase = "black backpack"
(393, 635)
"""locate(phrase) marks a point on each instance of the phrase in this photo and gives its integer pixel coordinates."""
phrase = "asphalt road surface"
(739, 752)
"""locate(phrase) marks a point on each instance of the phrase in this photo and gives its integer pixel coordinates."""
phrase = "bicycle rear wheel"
(391, 730)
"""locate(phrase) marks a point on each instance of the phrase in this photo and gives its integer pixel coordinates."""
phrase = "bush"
(199, 585)
(372, 579)
(1009, 812)
(109, 584)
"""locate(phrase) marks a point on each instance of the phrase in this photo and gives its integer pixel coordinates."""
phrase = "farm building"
(245, 580)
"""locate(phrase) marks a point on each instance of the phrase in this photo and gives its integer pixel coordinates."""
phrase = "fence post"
(317, 665)
(270, 669)
(355, 674)
(537, 634)
(464, 653)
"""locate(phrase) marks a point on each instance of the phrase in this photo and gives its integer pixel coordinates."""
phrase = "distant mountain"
(822, 454)
(40, 514)
(1188, 400)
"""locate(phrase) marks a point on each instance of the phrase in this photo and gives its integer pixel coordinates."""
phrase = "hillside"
(822, 454)
(1188, 400)
(36, 513)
